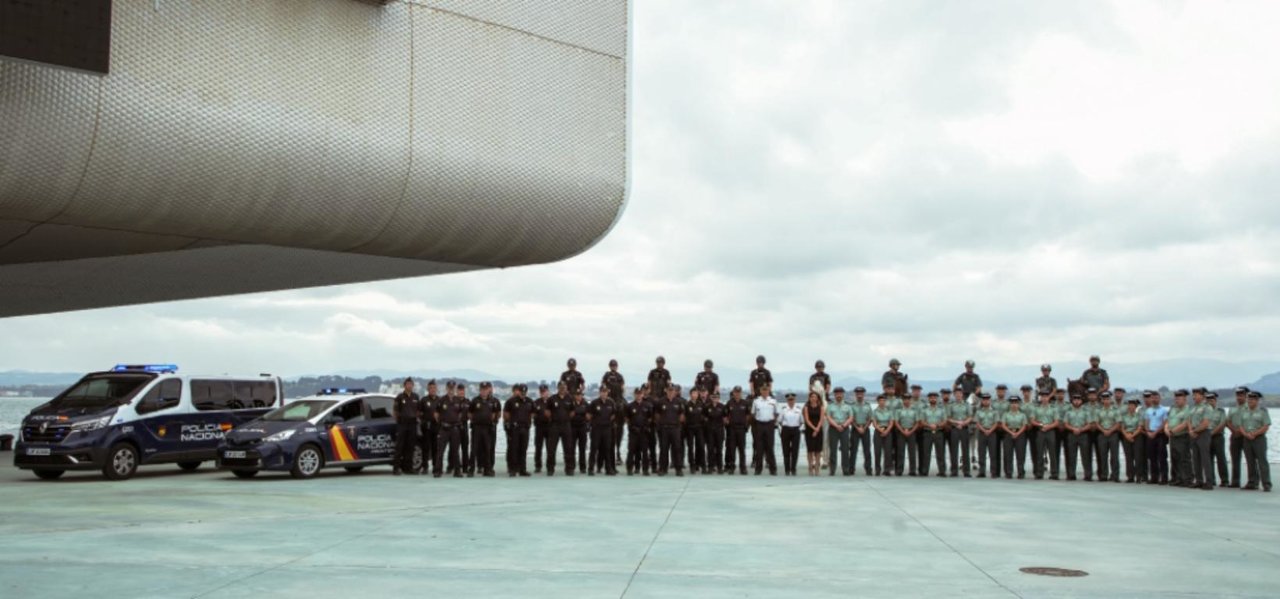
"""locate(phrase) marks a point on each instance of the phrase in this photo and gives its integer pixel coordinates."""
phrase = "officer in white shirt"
(764, 412)
(791, 418)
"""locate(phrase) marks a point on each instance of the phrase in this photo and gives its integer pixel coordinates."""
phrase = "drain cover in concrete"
(1042, 571)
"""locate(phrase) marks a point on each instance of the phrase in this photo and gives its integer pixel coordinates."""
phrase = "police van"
(347, 428)
(139, 414)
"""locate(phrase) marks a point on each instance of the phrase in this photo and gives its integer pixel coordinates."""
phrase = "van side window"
(209, 395)
(379, 407)
(264, 394)
(167, 394)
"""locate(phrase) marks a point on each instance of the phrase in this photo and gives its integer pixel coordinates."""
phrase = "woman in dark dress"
(815, 413)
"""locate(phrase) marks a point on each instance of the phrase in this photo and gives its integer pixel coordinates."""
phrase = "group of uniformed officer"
(906, 429)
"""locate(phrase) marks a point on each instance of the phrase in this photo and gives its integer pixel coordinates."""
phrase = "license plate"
(37, 451)
(234, 455)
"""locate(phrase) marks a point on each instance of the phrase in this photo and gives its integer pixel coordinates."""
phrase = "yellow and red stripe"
(341, 448)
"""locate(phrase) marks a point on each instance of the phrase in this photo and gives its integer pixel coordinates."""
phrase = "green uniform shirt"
(1132, 423)
(1108, 417)
(986, 417)
(1077, 417)
(1046, 414)
(959, 410)
(1234, 415)
(1215, 416)
(894, 402)
(1014, 420)
(1177, 417)
(861, 412)
(934, 414)
(1000, 405)
(839, 411)
(882, 416)
(1200, 413)
(1253, 420)
(907, 417)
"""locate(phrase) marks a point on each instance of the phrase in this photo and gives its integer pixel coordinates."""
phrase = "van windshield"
(101, 391)
(299, 411)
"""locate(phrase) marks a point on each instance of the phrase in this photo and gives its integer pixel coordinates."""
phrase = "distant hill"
(18, 378)
(1267, 384)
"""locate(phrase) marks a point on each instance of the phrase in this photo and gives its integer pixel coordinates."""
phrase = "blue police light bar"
(340, 391)
(145, 368)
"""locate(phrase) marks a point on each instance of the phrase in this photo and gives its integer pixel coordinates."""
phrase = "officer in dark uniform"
(738, 420)
(713, 417)
(450, 416)
(707, 380)
(460, 392)
(484, 414)
(601, 413)
(695, 442)
(759, 377)
(617, 386)
(639, 417)
(969, 382)
(559, 413)
(581, 430)
(1046, 383)
(573, 379)
(820, 376)
(669, 415)
(517, 416)
(426, 416)
(406, 416)
(541, 426)
(889, 380)
(659, 379)
(1096, 377)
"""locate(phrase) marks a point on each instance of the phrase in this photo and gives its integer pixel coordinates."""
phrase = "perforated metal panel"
(472, 134)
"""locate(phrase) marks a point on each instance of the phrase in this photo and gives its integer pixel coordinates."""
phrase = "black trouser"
(790, 448)
(997, 457)
(958, 439)
(617, 442)
(518, 448)
(895, 437)
(1078, 449)
(838, 441)
(763, 448)
(906, 445)
(1196, 467)
(602, 457)
(651, 440)
(1108, 449)
(1097, 454)
(932, 442)
(1135, 462)
(1202, 456)
(1045, 457)
(1157, 458)
(1237, 451)
(736, 447)
(884, 452)
(1218, 451)
(560, 434)
(986, 449)
(467, 463)
(670, 454)
(1015, 454)
(406, 441)
(581, 432)
(539, 440)
(427, 441)
(482, 447)
(862, 439)
(638, 456)
(714, 436)
(449, 436)
(1060, 447)
(695, 445)
(1255, 453)
(1180, 459)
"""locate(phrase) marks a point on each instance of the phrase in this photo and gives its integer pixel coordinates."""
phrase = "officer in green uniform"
(1132, 425)
(907, 420)
(840, 426)
(1254, 424)
(1044, 419)
(1015, 425)
(1108, 444)
(1046, 382)
(882, 419)
(999, 403)
(1078, 422)
(1199, 427)
(894, 402)
(960, 416)
(1237, 438)
(1177, 427)
(933, 437)
(1062, 404)
(860, 432)
(1027, 408)
(1217, 447)
(987, 420)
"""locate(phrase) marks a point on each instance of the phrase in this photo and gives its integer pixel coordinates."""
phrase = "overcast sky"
(1013, 182)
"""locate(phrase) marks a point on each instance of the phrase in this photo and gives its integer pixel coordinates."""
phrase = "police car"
(335, 427)
(139, 414)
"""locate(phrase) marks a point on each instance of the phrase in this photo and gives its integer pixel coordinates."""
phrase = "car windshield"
(299, 411)
(102, 391)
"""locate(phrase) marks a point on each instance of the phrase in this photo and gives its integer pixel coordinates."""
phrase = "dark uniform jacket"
(668, 412)
(540, 412)
(639, 414)
(968, 382)
(603, 412)
(713, 414)
(451, 411)
(520, 411)
(738, 411)
(406, 408)
(614, 382)
(579, 414)
(561, 409)
(573, 380)
(707, 381)
(758, 378)
(659, 378)
(485, 410)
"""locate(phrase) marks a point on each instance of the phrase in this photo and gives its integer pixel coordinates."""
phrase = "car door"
(343, 426)
(376, 439)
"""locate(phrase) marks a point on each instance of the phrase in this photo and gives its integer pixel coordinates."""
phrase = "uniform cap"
(1091, 390)
(859, 389)
(1046, 367)
(1015, 399)
(933, 394)
(613, 362)
(984, 396)
(839, 390)
(759, 359)
(1211, 396)
(1133, 400)
(1002, 386)
(1094, 357)
(486, 385)
(945, 391)
(1148, 393)
(1200, 390)
(1045, 393)
(914, 387)
(881, 397)
(1242, 389)
(707, 364)
(1077, 396)
(1120, 390)
(1255, 395)
(895, 362)
(791, 396)
(1180, 393)
(431, 382)
(543, 387)
(969, 363)
(1105, 395)
(449, 384)
(1026, 387)
(408, 379)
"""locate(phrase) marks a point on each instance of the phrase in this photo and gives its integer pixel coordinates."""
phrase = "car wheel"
(49, 474)
(189, 466)
(355, 469)
(307, 462)
(122, 462)
(245, 473)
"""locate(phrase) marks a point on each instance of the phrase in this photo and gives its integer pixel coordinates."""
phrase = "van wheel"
(307, 462)
(122, 462)
(49, 474)
(245, 473)
(355, 469)
(189, 466)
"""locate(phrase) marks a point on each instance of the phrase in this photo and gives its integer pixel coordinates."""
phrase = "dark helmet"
(819, 364)
(573, 362)
(661, 360)
(613, 362)
(707, 364)
(759, 359)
